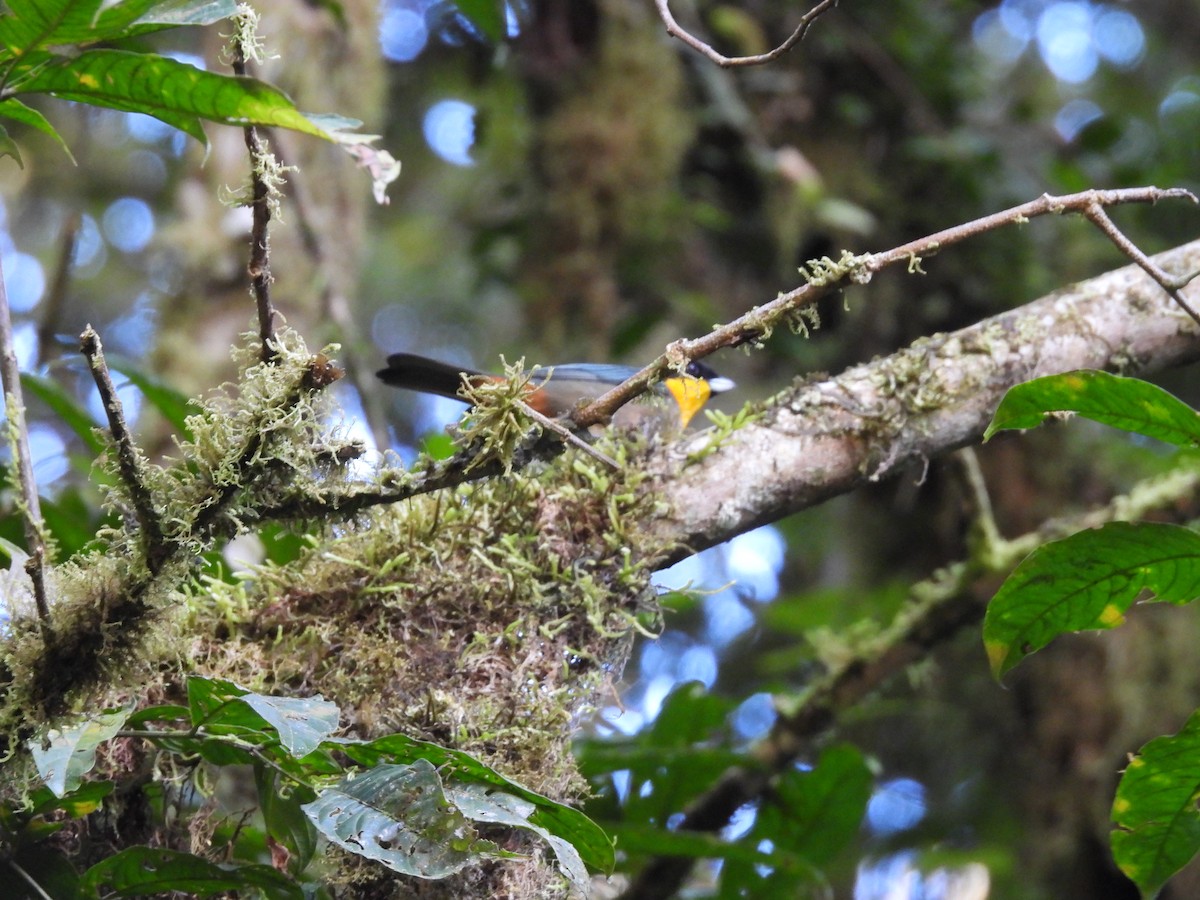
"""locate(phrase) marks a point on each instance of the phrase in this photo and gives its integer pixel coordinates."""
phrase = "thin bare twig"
(129, 461)
(259, 267)
(1169, 283)
(566, 434)
(984, 535)
(396, 485)
(729, 62)
(859, 270)
(56, 298)
(14, 405)
(29, 880)
(335, 307)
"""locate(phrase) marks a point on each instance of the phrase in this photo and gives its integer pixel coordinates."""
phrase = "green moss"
(484, 617)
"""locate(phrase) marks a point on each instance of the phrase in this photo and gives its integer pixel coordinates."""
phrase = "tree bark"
(826, 437)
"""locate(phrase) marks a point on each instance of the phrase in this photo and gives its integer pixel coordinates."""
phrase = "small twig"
(566, 434)
(259, 266)
(1169, 283)
(56, 298)
(859, 270)
(14, 405)
(28, 879)
(984, 537)
(396, 485)
(129, 461)
(335, 307)
(728, 62)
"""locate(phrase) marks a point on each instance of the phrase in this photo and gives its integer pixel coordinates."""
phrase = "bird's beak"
(690, 394)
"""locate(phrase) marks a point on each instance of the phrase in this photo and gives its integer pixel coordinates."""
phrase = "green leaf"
(401, 817)
(174, 92)
(815, 814)
(486, 15)
(689, 714)
(557, 818)
(223, 707)
(8, 147)
(1088, 581)
(77, 803)
(651, 840)
(67, 408)
(174, 406)
(72, 519)
(145, 871)
(483, 803)
(33, 24)
(17, 111)
(1155, 810)
(671, 763)
(67, 755)
(302, 722)
(438, 446)
(167, 712)
(186, 12)
(49, 868)
(209, 699)
(281, 803)
(1126, 403)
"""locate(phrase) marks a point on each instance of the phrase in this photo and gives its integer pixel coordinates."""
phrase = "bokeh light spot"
(896, 805)
(1119, 37)
(403, 33)
(1074, 117)
(90, 251)
(25, 280)
(1064, 34)
(995, 41)
(449, 129)
(128, 224)
(754, 717)
(48, 452)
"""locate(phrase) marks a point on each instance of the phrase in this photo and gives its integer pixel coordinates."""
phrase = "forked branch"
(833, 275)
(729, 62)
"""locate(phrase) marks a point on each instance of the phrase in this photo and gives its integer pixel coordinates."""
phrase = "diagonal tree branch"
(825, 276)
(828, 437)
(938, 609)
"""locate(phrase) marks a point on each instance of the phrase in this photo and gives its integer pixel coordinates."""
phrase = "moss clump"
(486, 618)
(114, 608)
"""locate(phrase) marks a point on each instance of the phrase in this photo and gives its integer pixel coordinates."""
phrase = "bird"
(557, 391)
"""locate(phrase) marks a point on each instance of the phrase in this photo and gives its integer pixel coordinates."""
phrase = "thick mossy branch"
(112, 603)
(483, 617)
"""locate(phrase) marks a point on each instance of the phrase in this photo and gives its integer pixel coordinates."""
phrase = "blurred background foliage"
(587, 189)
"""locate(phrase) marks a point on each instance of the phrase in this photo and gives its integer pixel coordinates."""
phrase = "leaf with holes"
(66, 755)
(401, 817)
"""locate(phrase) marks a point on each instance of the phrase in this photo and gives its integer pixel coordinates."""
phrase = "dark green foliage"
(1090, 580)
(301, 790)
(49, 47)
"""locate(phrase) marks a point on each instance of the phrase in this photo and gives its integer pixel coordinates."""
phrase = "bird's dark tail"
(417, 373)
